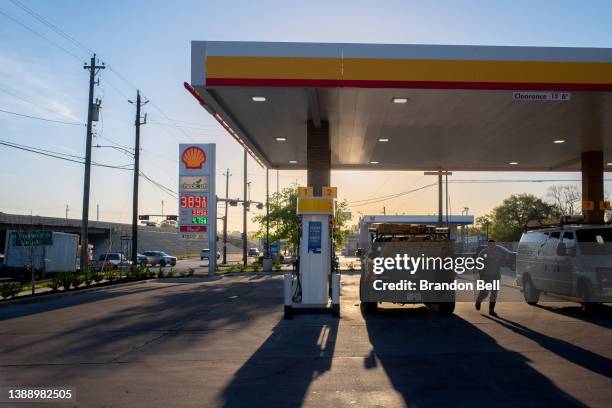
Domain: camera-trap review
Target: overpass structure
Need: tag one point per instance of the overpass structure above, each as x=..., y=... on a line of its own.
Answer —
x=413, y=107
x=106, y=236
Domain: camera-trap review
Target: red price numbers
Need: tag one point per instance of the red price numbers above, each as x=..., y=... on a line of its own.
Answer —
x=193, y=201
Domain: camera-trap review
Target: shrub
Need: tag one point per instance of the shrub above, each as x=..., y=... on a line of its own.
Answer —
x=65, y=279
x=170, y=273
x=190, y=272
x=9, y=289
x=87, y=277
x=56, y=282
x=277, y=266
x=160, y=274
x=182, y=274
x=97, y=276
x=256, y=267
x=110, y=275
x=76, y=280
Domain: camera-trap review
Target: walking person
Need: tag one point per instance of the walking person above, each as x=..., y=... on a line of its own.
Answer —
x=490, y=273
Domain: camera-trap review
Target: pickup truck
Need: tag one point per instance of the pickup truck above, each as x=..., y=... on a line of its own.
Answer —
x=113, y=260
x=388, y=276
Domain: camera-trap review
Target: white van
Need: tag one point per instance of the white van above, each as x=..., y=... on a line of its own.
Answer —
x=572, y=261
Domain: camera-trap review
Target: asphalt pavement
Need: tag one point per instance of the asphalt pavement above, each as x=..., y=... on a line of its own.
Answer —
x=222, y=341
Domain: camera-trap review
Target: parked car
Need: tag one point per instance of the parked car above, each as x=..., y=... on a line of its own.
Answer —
x=159, y=258
x=205, y=254
x=253, y=252
x=572, y=261
x=141, y=259
x=114, y=260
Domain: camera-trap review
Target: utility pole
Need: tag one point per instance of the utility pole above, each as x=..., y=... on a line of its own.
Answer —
x=440, y=173
x=384, y=210
x=162, y=208
x=97, y=212
x=137, y=123
x=67, y=211
x=227, y=176
x=92, y=67
x=446, y=190
x=244, y=213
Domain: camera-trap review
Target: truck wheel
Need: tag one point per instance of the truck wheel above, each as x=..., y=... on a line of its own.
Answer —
x=368, y=308
x=162, y=263
x=446, y=308
x=336, y=310
x=530, y=293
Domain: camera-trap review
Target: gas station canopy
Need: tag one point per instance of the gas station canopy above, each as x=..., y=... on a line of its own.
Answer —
x=411, y=107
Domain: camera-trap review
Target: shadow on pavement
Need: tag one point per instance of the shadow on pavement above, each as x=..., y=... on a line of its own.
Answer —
x=575, y=354
x=280, y=372
x=601, y=316
x=440, y=361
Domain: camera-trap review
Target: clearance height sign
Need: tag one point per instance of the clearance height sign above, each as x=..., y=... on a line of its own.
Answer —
x=197, y=201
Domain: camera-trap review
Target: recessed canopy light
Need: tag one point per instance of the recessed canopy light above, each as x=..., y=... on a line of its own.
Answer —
x=292, y=161
x=383, y=139
x=559, y=141
x=280, y=139
x=258, y=98
x=609, y=164
x=513, y=163
x=373, y=162
x=399, y=100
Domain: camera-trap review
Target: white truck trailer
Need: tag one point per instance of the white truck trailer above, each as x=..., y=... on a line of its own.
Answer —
x=59, y=256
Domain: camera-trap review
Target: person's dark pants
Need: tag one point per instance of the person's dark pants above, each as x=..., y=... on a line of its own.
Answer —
x=492, y=299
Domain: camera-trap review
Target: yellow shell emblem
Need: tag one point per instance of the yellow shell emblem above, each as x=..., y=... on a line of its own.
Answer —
x=193, y=157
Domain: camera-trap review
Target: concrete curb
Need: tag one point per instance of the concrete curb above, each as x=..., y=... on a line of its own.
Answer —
x=71, y=292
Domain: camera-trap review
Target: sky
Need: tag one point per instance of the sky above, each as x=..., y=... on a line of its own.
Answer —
x=146, y=45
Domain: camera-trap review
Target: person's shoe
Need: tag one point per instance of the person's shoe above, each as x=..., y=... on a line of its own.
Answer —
x=477, y=305
x=492, y=313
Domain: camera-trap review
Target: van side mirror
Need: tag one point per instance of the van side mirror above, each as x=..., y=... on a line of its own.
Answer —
x=561, y=249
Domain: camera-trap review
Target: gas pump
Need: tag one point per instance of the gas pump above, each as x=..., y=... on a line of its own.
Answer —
x=308, y=289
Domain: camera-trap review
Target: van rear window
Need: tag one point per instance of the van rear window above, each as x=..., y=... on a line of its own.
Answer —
x=595, y=241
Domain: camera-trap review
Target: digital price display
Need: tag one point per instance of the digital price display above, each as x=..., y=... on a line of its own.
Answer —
x=199, y=220
x=194, y=208
x=193, y=201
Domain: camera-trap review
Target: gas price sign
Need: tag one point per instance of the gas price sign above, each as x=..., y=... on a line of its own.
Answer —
x=197, y=201
x=193, y=207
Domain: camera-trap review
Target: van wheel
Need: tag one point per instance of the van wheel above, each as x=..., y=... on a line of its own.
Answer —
x=162, y=263
x=446, y=308
x=531, y=294
x=588, y=307
x=368, y=308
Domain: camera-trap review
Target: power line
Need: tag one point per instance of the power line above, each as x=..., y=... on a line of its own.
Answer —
x=39, y=118
x=21, y=98
x=41, y=36
x=52, y=26
x=394, y=196
x=57, y=155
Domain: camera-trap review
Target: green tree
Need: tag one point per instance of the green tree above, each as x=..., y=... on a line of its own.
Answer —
x=285, y=223
x=510, y=218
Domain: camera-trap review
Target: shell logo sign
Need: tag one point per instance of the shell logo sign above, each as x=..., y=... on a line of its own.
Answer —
x=193, y=158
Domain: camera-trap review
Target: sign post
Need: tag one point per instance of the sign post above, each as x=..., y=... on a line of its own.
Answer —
x=197, y=200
